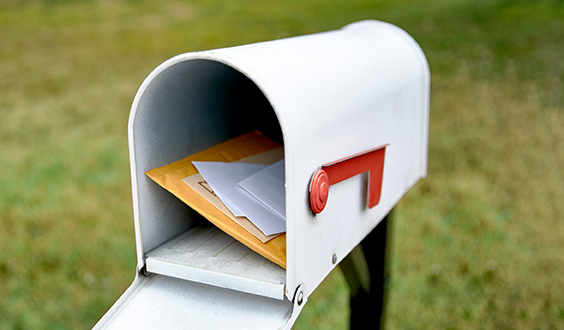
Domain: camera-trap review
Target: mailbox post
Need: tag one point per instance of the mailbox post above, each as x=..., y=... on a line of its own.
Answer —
x=366, y=271
x=351, y=110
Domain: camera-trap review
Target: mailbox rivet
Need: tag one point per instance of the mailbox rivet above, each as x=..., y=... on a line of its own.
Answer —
x=334, y=259
x=300, y=298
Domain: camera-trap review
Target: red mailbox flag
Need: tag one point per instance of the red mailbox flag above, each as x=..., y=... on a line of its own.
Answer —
x=371, y=160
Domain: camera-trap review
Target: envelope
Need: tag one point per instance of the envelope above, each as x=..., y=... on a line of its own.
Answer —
x=198, y=183
x=267, y=186
x=170, y=177
x=224, y=179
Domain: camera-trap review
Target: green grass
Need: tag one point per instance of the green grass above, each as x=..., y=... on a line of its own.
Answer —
x=477, y=244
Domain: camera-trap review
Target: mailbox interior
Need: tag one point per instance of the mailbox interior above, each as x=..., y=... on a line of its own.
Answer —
x=182, y=108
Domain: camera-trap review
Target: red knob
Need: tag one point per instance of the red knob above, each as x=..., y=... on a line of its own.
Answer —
x=319, y=191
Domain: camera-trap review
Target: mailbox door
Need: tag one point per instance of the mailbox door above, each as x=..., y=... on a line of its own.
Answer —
x=162, y=302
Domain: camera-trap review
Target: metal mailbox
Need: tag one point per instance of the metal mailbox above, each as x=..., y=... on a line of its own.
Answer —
x=351, y=108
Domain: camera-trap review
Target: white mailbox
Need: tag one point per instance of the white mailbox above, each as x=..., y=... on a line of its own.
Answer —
x=342, y=103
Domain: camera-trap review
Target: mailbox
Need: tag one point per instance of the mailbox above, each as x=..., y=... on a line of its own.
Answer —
x=351, y=109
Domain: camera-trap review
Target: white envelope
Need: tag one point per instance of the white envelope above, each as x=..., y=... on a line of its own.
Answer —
x=267, y=185
x=224, y=178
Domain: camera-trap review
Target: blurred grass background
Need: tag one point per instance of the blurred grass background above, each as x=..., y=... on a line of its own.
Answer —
x=478, y=244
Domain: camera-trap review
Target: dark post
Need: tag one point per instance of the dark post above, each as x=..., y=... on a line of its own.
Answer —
x=366, y=271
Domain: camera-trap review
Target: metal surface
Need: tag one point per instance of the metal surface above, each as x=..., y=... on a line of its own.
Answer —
x=325, y=96
x=207, y=255
x=163, y=302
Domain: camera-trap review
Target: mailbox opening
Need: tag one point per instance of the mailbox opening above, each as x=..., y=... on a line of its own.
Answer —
x=187, y=107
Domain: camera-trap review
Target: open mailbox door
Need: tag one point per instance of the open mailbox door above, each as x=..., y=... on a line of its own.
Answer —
x=350, y=108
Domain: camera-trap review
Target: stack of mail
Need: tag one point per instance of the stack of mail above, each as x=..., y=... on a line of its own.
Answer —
x=238, y=185
x=254, y=191
x=250, y=191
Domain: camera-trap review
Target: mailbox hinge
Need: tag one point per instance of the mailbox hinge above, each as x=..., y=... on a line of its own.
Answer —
x=299, y=300
x=300, y=297
x=143, y=271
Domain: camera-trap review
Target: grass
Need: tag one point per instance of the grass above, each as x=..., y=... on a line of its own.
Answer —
x=477, y=244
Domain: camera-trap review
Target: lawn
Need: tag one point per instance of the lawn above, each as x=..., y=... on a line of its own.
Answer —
x=478, y=244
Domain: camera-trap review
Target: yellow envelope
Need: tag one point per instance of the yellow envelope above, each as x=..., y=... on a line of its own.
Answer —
x=170, y=177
